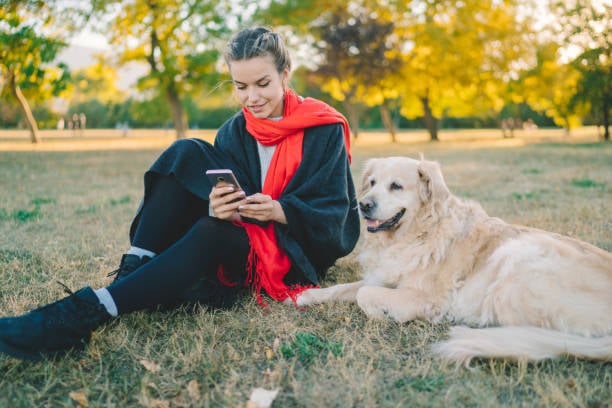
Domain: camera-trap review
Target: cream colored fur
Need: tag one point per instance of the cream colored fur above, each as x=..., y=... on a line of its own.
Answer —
x=519, y=292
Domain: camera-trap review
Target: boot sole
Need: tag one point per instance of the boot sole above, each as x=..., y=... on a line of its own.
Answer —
x=28, y=355
x=19, y=353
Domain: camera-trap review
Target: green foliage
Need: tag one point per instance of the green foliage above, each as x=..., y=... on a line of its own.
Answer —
x=97, y=82
x=149, y=113
x=20, y=215
x=90, y=209
x=25, y=56
x=26, y=214
x=587, y=183
x=532, y=171
x=308, y=347
x=427, y=384
x=526, y=196
x=42, y=200
x=587, y=26
x=121, y=200
x=177, y=39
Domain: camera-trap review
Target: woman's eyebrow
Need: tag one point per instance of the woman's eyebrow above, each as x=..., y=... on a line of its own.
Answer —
x=263, y=78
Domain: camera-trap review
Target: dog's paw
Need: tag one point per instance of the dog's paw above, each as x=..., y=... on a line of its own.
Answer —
x=308, y=297
x=384, y=303
x=370, y=303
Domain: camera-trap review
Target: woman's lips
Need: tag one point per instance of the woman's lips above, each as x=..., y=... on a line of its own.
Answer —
x=257, y=108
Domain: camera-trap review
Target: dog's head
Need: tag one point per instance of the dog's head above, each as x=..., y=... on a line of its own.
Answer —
x=394, y=189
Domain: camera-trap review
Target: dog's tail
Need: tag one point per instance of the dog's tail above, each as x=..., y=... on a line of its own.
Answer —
x=521, y=343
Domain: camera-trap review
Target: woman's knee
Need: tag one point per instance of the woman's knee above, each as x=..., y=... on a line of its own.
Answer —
x=219, y=235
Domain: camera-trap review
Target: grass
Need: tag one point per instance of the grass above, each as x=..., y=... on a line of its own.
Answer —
x=64, y=216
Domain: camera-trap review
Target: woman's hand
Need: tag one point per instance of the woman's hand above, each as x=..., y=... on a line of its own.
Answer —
x=225, y=200
x=262, y=208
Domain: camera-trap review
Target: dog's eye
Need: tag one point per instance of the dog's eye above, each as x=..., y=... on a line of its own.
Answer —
x=395, y=186
x=372, y=183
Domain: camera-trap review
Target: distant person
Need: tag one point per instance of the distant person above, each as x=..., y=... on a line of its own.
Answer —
x=192, y=241
x=60, y=124
x=75, y=123
x=82, y=123
x=530, y=125
x=125, y=129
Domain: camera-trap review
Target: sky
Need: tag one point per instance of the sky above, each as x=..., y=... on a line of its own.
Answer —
x=89, y=39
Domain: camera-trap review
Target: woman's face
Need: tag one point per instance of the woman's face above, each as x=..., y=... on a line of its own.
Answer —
x=258, y=85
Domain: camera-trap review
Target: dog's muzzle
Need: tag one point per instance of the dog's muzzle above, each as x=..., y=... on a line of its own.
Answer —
x=367, y=207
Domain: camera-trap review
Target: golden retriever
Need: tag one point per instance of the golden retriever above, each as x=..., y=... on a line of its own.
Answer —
x=521, y=293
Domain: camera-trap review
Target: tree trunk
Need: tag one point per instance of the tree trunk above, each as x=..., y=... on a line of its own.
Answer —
x=25, y=108
x=606, y=118
x=431, y=123
x=353, y=118
x=178, y=114
x=566, y=126
x=169, y=86
x=387, y=121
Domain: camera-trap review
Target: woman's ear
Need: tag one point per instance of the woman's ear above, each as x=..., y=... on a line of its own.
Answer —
x=285, y=79
x=432, y=187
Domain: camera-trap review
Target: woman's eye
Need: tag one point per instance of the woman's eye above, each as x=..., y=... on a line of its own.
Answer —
x=395, y=186
x=264, y=84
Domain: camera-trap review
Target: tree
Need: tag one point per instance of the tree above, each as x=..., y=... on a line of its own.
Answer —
x=26, y=56
x=458, y=57
x=354, y=43
x=358, y=60
x=549, y=86
x=594, y=89
x=178, y=40
x=587, y=26
x=97, y=81
x=94, y=92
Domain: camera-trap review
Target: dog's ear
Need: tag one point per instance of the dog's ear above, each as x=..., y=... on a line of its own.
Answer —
x=432, y=187
x=364, y=183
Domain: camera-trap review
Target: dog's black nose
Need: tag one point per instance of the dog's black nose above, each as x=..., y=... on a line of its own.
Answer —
x=366, y=205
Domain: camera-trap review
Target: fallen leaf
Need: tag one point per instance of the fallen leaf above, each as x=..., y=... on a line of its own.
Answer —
x=79, y=397
x=193, y=389
x=150, y=366
x=269, y=353
x=157, y=403
x=261, y=398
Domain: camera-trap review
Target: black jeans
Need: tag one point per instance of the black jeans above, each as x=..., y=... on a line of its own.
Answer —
x=190, y=245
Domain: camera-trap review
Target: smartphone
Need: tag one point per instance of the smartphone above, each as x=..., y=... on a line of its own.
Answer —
x=222, y=176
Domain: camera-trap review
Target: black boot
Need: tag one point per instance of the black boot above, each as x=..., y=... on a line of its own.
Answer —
x=53, y=329
x=129, y=263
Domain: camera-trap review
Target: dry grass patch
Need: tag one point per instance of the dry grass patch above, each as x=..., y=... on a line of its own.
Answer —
x=80, y=204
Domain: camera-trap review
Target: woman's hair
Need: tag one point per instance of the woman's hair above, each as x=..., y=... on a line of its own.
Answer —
x=256, y=42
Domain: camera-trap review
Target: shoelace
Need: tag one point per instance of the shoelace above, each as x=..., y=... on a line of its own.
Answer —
x=60, y=304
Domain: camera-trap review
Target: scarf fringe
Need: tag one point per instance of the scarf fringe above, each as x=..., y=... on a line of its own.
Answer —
x=254, y=280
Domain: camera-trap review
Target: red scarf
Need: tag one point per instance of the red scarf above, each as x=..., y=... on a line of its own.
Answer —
x=267, y=262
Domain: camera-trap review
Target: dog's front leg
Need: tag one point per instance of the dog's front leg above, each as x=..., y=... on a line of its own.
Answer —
x=401, y=304
x=342, y=292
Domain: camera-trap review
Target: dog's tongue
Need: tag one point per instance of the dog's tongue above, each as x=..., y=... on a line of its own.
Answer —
x=373, y=223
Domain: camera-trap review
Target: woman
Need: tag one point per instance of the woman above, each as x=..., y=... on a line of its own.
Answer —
x=193, y=242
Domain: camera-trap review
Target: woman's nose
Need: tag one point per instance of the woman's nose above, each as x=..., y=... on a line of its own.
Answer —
x=252, y=94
